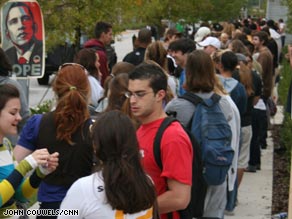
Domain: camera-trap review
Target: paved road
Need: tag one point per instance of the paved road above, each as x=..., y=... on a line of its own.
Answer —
x=37, y=93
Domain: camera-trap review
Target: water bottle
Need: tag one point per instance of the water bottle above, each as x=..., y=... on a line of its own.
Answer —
x=281, y=215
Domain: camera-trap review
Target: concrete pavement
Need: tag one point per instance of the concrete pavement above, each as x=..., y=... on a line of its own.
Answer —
x=255, y=192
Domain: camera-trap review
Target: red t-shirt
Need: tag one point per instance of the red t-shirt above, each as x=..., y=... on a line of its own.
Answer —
x=176, y=155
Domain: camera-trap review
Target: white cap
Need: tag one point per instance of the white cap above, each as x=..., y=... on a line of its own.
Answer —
x=211, y=41
x=201, y=33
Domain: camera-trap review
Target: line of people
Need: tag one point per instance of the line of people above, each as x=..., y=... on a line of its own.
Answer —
x=103, y=126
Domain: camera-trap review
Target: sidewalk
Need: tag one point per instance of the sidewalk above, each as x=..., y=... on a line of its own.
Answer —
x=255, y=192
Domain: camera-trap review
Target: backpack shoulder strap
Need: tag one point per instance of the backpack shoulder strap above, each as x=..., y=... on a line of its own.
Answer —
x=98, y=48
x=193, y=98
x=215, y=97
x=157, y=140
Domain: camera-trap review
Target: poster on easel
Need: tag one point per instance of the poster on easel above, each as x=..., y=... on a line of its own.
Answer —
x=22, y=37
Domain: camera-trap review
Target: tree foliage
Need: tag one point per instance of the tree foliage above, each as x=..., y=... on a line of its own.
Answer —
x=289, y=15
x=223, y=10
x=65, y=20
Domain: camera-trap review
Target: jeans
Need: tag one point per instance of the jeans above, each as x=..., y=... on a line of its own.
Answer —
x=259, y=135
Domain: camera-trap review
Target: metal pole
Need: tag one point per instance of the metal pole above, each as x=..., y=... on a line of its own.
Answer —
x=268, y=9
x=24, y=82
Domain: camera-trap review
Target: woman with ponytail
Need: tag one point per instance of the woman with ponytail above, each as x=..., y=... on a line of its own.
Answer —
x=119, y=188
x=66, y=131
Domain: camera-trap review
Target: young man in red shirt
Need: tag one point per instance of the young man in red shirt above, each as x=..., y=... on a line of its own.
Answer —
x=147, y=90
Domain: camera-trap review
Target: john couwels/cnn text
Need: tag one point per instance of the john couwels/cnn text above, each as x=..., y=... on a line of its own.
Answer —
x=41, y=212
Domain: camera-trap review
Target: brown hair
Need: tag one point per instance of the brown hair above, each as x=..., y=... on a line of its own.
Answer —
x=237, y=46
x=200, y=72
x=127, y=187
x=219, y=88
x=244, y=72
x=7, y=92
x=262, y=35
x=72, y=88
x=246, y=78
x=228, y=28
x=117, y=86
x=118, y=68
x=170, y=32
x=117, y=99
x=156, y=52
x=87, y=58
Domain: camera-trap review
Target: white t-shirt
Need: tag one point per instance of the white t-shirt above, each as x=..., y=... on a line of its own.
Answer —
x=96, y=90
x=88, y=196
x=173, y=83
x=282, y=28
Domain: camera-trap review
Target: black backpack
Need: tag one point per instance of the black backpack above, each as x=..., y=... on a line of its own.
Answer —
x=199, y=187
x=110, y=54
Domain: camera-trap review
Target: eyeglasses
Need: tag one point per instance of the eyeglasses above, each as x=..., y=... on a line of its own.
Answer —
x=72, y=64
x=137, y=95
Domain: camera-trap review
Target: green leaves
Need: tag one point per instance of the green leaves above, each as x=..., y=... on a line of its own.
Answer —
x=66, y=19
x=43, y=107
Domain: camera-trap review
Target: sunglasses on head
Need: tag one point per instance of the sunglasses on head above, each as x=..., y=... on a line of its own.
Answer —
x=73, y=64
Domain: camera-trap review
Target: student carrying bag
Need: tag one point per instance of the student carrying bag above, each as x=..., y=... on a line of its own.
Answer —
x=213, y=133
x=199, y=187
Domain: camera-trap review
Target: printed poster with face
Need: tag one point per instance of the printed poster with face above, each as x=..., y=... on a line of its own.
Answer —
x=23, y=41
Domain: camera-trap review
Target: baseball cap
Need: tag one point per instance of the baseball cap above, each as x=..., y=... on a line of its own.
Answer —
x=211, y=41
x=201, y=33
x=241, y=57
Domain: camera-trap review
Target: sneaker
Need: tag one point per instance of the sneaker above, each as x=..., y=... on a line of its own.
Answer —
x=251, y=169
x=229, y=213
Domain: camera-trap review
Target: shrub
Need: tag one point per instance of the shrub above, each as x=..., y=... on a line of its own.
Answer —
x=283, y=89
x=43, y=107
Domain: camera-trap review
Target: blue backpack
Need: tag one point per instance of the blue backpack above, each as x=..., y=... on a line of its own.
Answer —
x=213, y=133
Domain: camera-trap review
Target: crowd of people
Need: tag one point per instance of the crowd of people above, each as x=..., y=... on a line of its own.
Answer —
x=94, y=151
